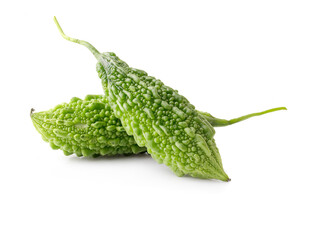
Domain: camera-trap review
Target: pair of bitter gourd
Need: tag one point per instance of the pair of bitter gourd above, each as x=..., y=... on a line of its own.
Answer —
x=137, y=113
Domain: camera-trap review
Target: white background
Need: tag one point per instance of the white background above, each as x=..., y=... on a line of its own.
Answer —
x=227, y=57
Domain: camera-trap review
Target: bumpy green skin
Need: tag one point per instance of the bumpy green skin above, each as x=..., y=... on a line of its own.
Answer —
x=161, y=119
x=85, y=127
x=215, y=122
x=51, y=124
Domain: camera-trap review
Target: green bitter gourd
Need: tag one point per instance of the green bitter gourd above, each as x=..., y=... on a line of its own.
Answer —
x=159, y=118
x=85, y=127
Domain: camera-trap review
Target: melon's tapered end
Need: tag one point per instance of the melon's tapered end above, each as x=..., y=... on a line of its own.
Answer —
x=223, y=177
x=226, y=179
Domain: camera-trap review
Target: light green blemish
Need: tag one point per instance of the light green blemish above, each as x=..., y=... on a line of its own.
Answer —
x=81, y=125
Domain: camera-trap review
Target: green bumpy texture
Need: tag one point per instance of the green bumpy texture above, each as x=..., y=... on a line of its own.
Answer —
x=96, y=137
x=161, y=119
x=86, y=128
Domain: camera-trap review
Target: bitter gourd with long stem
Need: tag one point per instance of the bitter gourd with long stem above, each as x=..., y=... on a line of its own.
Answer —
x=159, y=118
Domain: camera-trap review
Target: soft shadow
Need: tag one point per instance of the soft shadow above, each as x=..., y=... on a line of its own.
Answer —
x=120, y=157
x=142, y=157
x=216, y=181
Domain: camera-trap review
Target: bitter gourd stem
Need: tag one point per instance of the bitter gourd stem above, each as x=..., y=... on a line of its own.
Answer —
x=81, y=42
x=217, y=122
x=239, y=119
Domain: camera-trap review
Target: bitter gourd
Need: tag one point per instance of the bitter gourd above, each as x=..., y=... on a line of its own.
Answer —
x=85, y=127
x=159, y=118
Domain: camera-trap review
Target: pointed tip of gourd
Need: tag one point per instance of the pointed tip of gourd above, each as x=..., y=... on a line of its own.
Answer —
x=222, y=176
x=226, y=179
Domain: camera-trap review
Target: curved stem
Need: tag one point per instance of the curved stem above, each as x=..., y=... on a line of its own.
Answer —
x=239, y=119
x=81, y=42
x=217, y=122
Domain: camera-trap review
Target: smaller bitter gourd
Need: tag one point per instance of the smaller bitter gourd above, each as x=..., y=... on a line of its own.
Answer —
x=85, y=127
x=50, y=124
